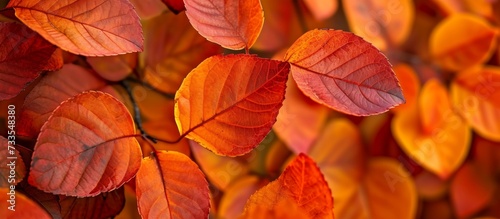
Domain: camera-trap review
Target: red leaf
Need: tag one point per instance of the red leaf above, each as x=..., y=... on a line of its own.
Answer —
x=23, y=207
x=82, y=149
x=114, y=68
x=228, y=104
x=231, y=24
x=11, y=161
x=175, y=6
x=170, y=185
x=91, y=28
x=344, y=72
x=23, y=56
x=51, y=91
x=105, y=205
x=303, y=183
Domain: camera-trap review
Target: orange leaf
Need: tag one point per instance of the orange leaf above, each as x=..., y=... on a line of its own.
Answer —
x=381, y=22
x=83, y=148
x=23, y=56
x=475, y=45
x=221, y=171
x=476, y=96
x=23, y=206
x=284, y=209
x=12, y=169
x=114, y=68
x=441, y=142
x=471, y=190
x=170, y=185
x=53, y=89
x=299, y=120
x=231, y=24
x=236, y=195
x=96, y=28
x=344, y=72
x=374, y=188
x=228, y=104
x=303, y=184
x=322, y=9
x=175, y=6
x=410, y=85
x=172, y=49
x=429, y=186
x=105, y=205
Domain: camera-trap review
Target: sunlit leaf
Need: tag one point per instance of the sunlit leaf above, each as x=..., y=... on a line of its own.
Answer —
x=410, y=84
x=471, y=190
x=170, y=185
x=172, y=49
x=285, y=208
x=23, y=207
x=53, y=89
x=299, y=120
x=432, y=134
x=23, y=56
x=231, y=24
x=83, y=148
x=475, y=45
x=476, y=96
x=95, y=28
x=322, y=9
x=10, y=163
x=114, y=68
x=384, y=23
x=228, y=104
x=303, y=184
x=342, y=71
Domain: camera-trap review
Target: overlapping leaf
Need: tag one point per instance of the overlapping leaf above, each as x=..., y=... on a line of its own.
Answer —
x=105, y=205
x=382, y=22
x=432, y=134
x=23, y=207
x=228, y=104
x=231, y=24
x=172, y=49
x=374, y=188
x=51, y=91
x=410, y=85
x=235, y=197
x=83, y=148
x=114, y=68
x=299, y=120
x=476, y=96
x=474, y=46
x=10, y=162
x=303, y=184
x=170, y=185
x=147, y=9
x=23, y=56
x=95, y=28
x=342, y=71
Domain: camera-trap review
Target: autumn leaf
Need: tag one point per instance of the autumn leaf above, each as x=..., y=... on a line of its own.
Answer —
x=105, y=205
x=175, y=6
x=23, y=56
x=432, y=134
x=147, y=9
x=228, y=104
x=475, y=46
x=476, y=96
x=430, y=186
x=410, y=85
x=344, y=72
x=170, y=185
x=322, y=9
x=236, y=195
x=114, y=68
x=362, y=187
x=299, y=120
x=384, y=23
x=83, y=148
x=12, y=169
x=23, y=206
x=303, y=184
x=96, y=28
x=284, y=209
x=172, y=49
x=232, y=24
x=471, y=190
x=53, y=89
